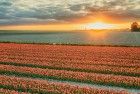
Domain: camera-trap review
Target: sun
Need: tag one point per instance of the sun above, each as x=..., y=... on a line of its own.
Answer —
x=99, y=25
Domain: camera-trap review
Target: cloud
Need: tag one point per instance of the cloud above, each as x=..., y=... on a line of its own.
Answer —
x=5, y=9
x=51, y=11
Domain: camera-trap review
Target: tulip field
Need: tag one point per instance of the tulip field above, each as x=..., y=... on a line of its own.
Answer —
x=51, y=69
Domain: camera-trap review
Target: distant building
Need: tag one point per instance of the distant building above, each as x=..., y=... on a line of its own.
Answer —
x=135, y=27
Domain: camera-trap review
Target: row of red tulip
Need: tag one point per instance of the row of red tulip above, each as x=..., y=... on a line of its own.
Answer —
x=43, y=86
x=123, y=81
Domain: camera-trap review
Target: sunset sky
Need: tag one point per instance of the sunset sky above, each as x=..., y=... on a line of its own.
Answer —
x=68, y=14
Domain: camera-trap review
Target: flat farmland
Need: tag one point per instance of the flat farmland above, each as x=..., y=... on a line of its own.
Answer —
x=65, y=69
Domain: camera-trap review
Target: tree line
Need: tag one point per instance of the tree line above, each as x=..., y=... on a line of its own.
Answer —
x=135, y=27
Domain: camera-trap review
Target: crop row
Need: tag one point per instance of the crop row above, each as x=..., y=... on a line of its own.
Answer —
x=125, y=57
x=128, y=71
x=112, y=80
x=69, y=59
x=80, y=55
x=7, y=91
x=82, y=51
x=70, y=48
x=83, y=55
x=43, y=86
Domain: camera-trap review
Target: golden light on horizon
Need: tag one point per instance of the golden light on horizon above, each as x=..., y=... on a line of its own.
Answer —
x=51, y=27
x=99, y=25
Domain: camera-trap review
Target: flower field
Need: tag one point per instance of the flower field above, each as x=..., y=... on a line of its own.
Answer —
x=6, y=91
x=75, y=76
x=41, y=86
x=27, y=68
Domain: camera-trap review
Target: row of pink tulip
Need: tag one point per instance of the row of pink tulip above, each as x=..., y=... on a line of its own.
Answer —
x=85, y=55
x=73, y=54
x=7, y=91
x=71, y=59
x=44, y=86
x=70, y=48
x=92, y=68
x=89, y=55
x=77, y=76
x=82, y=51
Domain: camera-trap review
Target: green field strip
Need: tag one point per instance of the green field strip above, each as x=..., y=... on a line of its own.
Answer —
x=72, y=69
x=66, y=44
x=29, y=75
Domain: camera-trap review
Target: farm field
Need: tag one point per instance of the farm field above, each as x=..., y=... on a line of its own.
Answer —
x=65, y=69
x=117, y=38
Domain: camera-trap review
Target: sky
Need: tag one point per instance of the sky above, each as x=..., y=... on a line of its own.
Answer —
x=67, y=14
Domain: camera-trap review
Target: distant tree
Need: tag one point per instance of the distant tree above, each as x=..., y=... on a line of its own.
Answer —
x=135, y=27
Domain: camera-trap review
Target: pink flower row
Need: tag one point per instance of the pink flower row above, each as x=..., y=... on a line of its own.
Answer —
x=80, y=76
x=80, y=66
x=91, y=60
x=6, y=91
x=45, y=86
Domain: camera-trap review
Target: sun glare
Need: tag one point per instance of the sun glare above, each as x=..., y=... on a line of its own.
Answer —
x=99, y=25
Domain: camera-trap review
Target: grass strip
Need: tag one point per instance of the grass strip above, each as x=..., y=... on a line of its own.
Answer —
x=67, y=44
